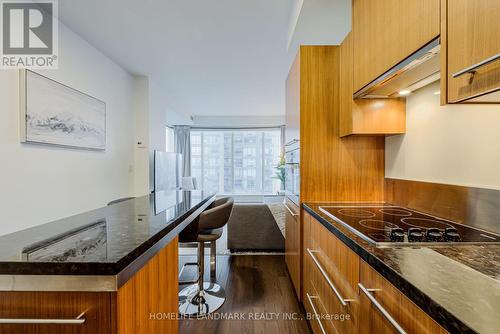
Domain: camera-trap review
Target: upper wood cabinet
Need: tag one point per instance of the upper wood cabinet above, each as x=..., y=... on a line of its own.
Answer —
x=387, y=31
x=471, y=31
x=365, y=116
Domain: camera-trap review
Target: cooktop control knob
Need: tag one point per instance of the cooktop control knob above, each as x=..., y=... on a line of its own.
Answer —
x=415, y=234
x=451, y=234
x=434, y=235
x=397, y=235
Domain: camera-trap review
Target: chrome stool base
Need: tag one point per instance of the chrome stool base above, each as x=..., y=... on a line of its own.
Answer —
x=196, y=303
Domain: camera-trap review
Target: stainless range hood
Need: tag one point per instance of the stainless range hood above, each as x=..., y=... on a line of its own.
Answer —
x=418, y=70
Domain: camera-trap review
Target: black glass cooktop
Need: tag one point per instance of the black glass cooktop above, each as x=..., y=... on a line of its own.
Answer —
x=386, y=224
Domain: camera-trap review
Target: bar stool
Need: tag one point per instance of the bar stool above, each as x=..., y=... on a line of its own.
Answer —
x=202, y=297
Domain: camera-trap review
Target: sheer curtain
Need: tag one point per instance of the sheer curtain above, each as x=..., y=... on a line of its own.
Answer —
x=182, y=145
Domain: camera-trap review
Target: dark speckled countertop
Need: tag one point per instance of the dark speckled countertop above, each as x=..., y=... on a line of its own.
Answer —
x=458, y=286
x=100, y=242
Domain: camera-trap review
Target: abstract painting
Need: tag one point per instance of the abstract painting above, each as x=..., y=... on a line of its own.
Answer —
x=53, y=113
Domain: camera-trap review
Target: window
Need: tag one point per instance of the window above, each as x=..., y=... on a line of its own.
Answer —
x=236, y=161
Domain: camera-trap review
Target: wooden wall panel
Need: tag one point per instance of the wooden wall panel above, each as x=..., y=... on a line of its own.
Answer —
x=153, y=289
x=333, y=168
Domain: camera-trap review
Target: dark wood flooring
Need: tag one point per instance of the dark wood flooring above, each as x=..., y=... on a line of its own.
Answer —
x=257, y=286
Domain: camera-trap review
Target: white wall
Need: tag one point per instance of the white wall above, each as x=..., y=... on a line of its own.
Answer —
x=141, y=135
x=238, y=121
x=150, y=114
x=157, y=124
x=41, y=183
x=453, y=144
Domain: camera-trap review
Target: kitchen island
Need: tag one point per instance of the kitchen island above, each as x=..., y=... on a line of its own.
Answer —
x=110, y=270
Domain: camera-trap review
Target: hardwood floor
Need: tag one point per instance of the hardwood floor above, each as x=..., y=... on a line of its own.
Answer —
x=256, y=286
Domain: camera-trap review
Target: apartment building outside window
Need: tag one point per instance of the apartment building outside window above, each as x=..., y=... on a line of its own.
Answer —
x=236, y=161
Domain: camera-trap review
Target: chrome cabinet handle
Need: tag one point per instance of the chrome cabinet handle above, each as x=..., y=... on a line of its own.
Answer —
x=476, y=66
x=77, y=321
x=381, y=309
x=290, y=210
x=310, y=298
x=342, y=300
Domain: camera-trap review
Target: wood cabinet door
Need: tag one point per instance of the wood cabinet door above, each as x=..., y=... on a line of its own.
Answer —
x=292, y=243
x=365, y=116
x=473, y=35
x=387, y=31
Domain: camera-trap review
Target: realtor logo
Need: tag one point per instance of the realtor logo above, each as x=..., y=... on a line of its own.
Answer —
x=29, y=34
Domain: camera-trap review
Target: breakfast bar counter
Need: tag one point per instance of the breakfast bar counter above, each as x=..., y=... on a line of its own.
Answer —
x=103, y=271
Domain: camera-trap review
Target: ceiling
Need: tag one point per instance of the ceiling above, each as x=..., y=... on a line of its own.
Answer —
x=222, y=57
x=211, y=58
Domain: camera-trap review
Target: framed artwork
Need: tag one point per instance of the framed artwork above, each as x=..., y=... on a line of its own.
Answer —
x=55, y=114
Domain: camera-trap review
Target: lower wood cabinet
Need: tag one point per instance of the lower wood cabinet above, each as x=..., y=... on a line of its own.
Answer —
x=331, y=275
x=343, y=294
x=151, y=292
x=94, y=307
x=293, y=243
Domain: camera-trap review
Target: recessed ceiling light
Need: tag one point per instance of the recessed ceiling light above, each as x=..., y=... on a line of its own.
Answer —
x=404, y=92
x=438, y=92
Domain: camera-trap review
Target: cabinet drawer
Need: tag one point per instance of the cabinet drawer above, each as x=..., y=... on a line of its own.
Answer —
x=314, y=304
x=293, y=243
x=384, y=308
x=96, y=309
x=342, y=312
x=333, y=270
x=340, y=263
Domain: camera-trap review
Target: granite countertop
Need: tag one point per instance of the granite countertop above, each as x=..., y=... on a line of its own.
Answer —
x=458, y=286
x=103, y=241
